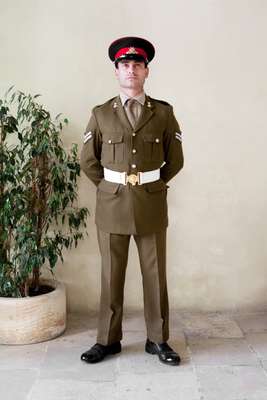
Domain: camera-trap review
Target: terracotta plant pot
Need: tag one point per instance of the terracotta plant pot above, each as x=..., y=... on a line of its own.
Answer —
x=33, y=319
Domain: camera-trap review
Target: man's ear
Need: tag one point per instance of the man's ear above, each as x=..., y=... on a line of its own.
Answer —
x=147, y=72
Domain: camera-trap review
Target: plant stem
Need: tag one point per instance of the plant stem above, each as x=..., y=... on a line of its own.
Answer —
x=3, y=250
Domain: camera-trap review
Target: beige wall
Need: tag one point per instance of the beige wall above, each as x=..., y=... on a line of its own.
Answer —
x=211, y=64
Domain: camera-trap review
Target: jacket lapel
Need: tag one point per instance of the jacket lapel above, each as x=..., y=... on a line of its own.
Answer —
x=146, y=114
x=120, y=113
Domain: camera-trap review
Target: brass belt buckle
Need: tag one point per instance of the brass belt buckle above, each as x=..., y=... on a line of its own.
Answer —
x=132, y=179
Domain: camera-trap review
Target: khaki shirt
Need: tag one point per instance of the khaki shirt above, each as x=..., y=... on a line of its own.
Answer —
x=111, y=142
x=140, y=101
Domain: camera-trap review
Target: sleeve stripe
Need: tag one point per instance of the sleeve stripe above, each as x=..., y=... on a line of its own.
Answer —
x=87, y=137
x=178, y=136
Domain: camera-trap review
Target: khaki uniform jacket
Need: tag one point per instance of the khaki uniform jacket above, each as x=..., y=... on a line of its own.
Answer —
x=109, y=142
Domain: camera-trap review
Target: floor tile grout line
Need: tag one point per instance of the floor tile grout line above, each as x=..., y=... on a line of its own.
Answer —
x=258, y=357
x=199, y=386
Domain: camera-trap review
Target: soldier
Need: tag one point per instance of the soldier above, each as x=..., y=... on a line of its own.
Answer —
x=132, y=148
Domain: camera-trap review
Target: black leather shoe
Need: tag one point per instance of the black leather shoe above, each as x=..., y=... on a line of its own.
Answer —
x=98, y=352
x=166, y=354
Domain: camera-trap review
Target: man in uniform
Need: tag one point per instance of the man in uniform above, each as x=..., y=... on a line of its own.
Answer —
x=132, y=148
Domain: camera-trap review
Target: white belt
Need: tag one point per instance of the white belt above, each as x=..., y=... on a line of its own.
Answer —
x=139, y=178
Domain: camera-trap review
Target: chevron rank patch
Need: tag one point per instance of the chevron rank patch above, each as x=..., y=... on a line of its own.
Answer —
x=178, y=136
x=87, y=136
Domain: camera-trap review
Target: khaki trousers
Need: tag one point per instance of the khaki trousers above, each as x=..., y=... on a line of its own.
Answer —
x=114, y=255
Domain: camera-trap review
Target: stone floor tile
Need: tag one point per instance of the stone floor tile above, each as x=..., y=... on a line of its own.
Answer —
x=132, y=337
x=16, y=383
x=60, y=356
x=217, y=358
x=133, y=321
x=221, y=351
x=206, y=325
x=80, y=329
x=264, y=365
x=22, y=356
x=74, y=338
x=56, y=389
x=179, y=343
x=232, y=382
x=134, y=359
x=177, y=384
x=254, y=322
x=63, y=362
x=258, y=342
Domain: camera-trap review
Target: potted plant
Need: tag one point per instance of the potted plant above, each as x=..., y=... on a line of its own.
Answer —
x=39, y=218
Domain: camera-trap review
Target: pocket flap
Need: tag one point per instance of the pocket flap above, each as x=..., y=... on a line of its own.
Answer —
x=156, y=186
x=109, y=187
x=113, y=137
x=148, y=137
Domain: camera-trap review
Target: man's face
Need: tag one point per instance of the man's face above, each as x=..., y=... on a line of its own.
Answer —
x=131, y=74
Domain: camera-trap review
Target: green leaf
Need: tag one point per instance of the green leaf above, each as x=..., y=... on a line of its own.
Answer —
x=9, y=90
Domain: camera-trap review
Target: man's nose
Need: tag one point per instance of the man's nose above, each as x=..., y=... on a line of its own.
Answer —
x=131, y=68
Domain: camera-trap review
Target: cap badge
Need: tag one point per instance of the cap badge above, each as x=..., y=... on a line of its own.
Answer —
x=132, y=50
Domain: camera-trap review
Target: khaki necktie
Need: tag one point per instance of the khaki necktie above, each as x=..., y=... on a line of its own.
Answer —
x=132, y=111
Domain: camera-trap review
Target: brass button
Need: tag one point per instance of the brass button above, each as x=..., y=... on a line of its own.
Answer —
x=133, y=165
x=157, y=140
x=109, y=141
x=134, y=134
x=134, y=151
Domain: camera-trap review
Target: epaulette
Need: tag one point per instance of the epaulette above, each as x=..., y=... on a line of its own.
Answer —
x=106, y=102
x=109, y=100
x=160, y=101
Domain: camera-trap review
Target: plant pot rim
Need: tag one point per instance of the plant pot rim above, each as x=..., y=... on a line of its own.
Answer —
x=28, y=320
x=57, y=285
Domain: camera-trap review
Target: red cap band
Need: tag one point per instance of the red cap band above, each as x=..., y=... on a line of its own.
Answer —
x=131, y=50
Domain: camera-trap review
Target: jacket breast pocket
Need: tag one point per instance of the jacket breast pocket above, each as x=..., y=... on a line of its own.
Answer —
x=113, y=148
x=153, y=147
